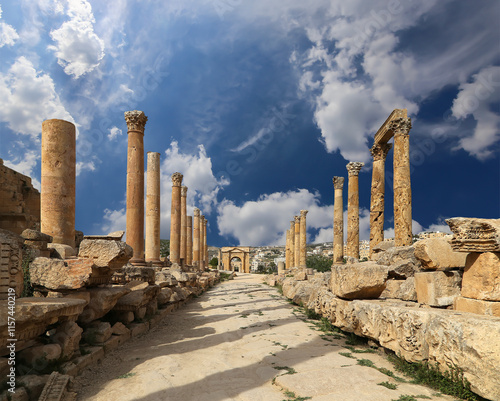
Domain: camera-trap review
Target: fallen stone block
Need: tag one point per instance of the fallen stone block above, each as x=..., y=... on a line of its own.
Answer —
x=104, y=253
x=102, y=300
x=11, y=271
x=400, y=289
x=34, y=235
x=358, y=281
x=37, y=358
x=475, y=235
x=97, y=333
x=481, y=278
x=34, y=384
x=164, y=296
x=57, y=274
x=438, y=288
x=489, y=308
x=68, y=336
x=119, y=329
x=56, y=387
x=62, y=251
x=437, y=254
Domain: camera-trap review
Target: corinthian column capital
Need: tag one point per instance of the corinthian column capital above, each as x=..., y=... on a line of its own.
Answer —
x=401, y=126
x=353, y=168
x=338, y=182
x=136, y=120
x=379, y=151
x=176, y=179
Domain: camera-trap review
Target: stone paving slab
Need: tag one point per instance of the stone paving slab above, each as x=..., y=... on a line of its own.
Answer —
x=237, y=342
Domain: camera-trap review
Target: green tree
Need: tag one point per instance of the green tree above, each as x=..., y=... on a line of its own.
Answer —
x=319, y=263
x=214, y=262
x=164, y=248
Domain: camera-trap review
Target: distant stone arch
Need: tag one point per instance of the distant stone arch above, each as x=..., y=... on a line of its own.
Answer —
x=229, y=253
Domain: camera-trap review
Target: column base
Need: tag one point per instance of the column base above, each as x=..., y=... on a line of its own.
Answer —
x=138, y=262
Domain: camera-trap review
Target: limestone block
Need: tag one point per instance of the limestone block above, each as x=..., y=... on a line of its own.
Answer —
x=37, y=356
x=136, y=299
x=400, y=289
x=102, y=300
x=34, y=235
x=180, y=276
x=437, y=254
x=164, y=279
x=125, y=317
x=105, y=253
x=97, y=333
x=34, y=384
x=397, y=254
x=383, y=246
x=404, y=269
x=137, y=285
x=437, y=288
x=358, y=281
x=490, y=308
x=164, y=296
x=62, y=251
x=68, y=336
x=175, y=297
x=11, y=272
x=57, y=274
x=140, y=313
x=56, y=388
x=475, y=235
x=482, y=276
x=114, y=236
x=301, y=275
x=130, y=272
x=34, y=315
x=119, y=329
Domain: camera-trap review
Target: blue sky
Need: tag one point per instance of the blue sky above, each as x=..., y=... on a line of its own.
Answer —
x=259, y=104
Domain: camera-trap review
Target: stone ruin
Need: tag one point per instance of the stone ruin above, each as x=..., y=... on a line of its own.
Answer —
x=90, y=292
x=435, y=300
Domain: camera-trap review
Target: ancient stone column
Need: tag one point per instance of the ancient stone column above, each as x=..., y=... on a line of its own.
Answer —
x=402, y=187
x=338, y=221
x=136, y=120
x=196, y=238
x=303, y=239
x=207, y=260
x=292, y=244
x=153, y=209
x=353, y=169
x=183, y=225
x=377, y=204
x=58, y=181
x=175, y=219
x=287, y=249
x=296, y=230
x=189, y=241
x=203, y=234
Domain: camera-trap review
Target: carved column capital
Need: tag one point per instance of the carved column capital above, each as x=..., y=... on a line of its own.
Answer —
x=303, y=213
x=354, y=167
x=176, y=179
x=379, y=151
x=338, y=182
x=196, y=212
x=401, y=126
x=184, y=191
x=136, y=120
x=296, y=219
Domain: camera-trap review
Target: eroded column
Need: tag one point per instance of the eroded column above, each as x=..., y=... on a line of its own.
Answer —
x=189, y=241
x=402, y=185
x=136, y=121
x=202, y=242
x=303, y=239
x=207, y=261
x=296, y=230
x=196, y=238
x=57, y=201
x=175, y=219
x=338, y=221
x=377, y=204
x=292, y=244
x=183, y=248
x=153, y=209
x=287, y=249
x=353, y=169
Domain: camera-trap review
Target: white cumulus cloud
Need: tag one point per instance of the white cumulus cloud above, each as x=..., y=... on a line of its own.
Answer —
x=78, y=48
x=8, y=34
x=114, y=132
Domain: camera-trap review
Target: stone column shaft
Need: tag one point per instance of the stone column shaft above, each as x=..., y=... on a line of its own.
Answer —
x=402, y=186
x=338, y=220
x=196, y=238
x=292, y=244
x=377, y=204
x=207, y=261
x=353, y=169
x=58, y=181
x=303, y=239
x=175, y=219
x=287, y=249
x=296, y=254
x=136, y=121
x=203, y=227
x=183, y=225
x=153, y=209
x=189, y=241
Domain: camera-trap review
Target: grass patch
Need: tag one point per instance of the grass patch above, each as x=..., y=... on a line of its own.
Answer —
x=390, y=386
x=390, y=373
x=360, y=351
x=347, y=355
x=366, y=362
x=451, y=382
x=283, y=346
x=126, y=375
x=353, y=339
x=405, y=397
x=292, y=397
x=289, y=371
x=244, y=315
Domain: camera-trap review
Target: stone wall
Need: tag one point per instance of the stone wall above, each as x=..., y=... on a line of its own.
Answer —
x=19, y=201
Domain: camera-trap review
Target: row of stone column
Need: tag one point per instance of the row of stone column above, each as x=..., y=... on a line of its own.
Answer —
x=296, y=242
x=188, y=234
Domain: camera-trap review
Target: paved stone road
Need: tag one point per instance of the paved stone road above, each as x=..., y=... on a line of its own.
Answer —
x=229, y=344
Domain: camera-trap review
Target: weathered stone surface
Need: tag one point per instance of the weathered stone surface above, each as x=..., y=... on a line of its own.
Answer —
x=136, y=299
x=164, y=296
x=62, y=251
x=382, y=246
x=437, y=254
x=56, y=387
x=37, y=356
x=114, y=236
x=475, y=235
x=125, y=317
x=33, y=315
x=165, y=279
x=97, y=333
x=358, y=281
x=56, y=274
x=396, y=254
x=400, y=289
x=490, y=308
x=11, y=272
x=102, y=300
x=34, y=384
x=179, y=276
x=130, y=273
x=78, y=238
x=482, y=276
x=119, y=329
x=35, y=235
x=439, y=288
x=68, y=336
x=109, y=254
